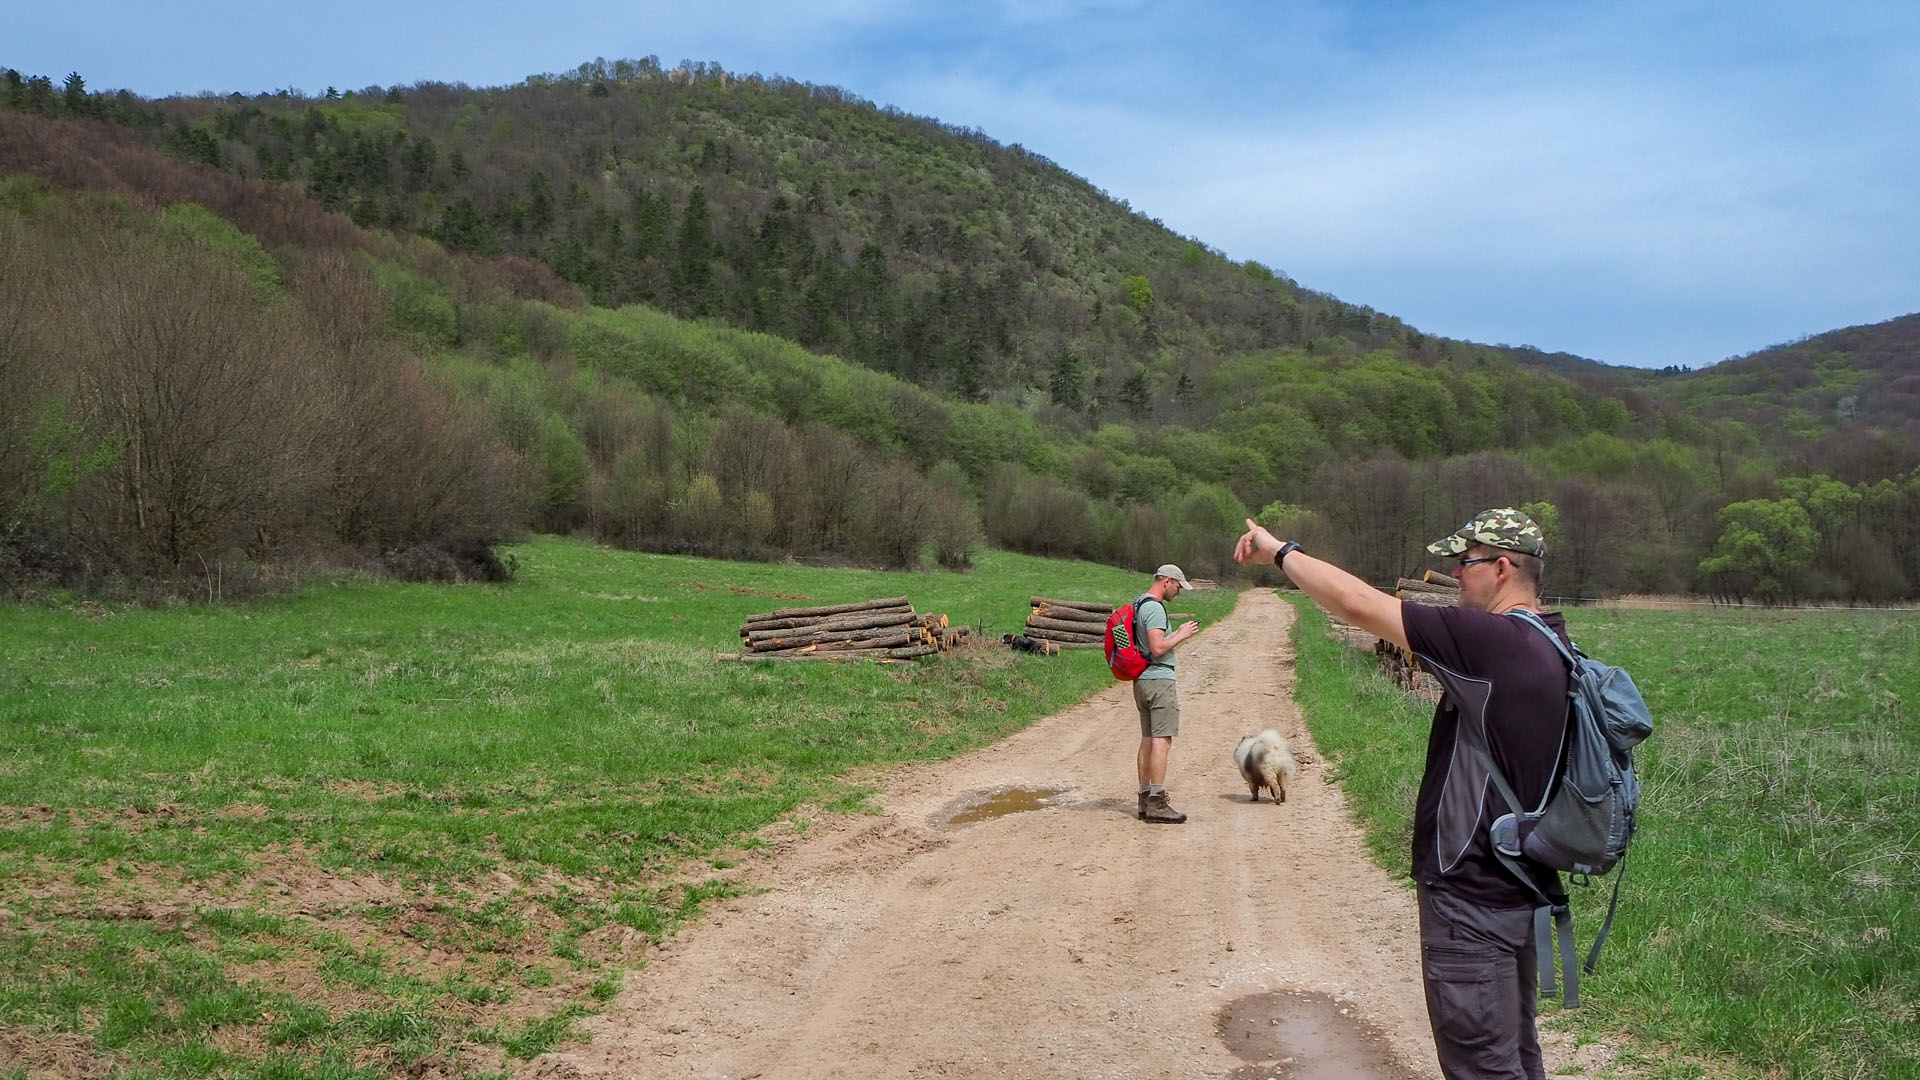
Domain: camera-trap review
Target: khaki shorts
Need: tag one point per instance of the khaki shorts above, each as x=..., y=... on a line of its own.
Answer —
x=1159, y=705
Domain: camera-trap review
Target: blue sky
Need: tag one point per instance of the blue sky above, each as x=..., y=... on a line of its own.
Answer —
x=1643, y=183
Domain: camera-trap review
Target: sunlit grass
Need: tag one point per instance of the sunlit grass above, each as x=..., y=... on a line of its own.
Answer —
x=376, y=825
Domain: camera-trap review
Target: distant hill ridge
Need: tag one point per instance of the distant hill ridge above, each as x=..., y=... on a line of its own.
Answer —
x=1089, y=379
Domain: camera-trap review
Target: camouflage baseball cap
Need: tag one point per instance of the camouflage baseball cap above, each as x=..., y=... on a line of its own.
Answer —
x=1503, y=528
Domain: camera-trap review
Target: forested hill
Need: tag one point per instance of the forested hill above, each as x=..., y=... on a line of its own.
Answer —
x=911, y=246
x=596, y=288
x=1856, y=389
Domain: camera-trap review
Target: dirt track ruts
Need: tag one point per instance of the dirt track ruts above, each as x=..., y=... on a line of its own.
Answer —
x=1070, y=941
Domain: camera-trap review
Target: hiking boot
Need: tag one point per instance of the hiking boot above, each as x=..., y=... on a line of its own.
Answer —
x=1143, y=806
x=1159, y=811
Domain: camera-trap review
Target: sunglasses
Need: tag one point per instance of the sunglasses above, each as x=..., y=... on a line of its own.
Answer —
x=1464, y=563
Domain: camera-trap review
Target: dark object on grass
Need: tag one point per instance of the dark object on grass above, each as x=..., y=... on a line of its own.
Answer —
x=1022, y=643
x=453, y=558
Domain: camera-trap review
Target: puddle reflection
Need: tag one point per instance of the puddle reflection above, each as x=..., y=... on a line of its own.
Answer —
x=1296, y=1035
x=993, y=804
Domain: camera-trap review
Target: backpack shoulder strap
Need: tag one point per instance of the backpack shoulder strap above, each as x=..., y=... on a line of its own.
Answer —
x=1534, y=620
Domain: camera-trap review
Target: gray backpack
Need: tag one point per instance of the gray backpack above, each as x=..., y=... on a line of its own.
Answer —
x=1586, y=820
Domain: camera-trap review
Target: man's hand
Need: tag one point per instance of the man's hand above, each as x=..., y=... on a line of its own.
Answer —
x=1187, y=630
x=1257, y=546
x=1339, y=592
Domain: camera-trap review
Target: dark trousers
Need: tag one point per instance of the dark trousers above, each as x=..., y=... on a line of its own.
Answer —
x=1482, y=988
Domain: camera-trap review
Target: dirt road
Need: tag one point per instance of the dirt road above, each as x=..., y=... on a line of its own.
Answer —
x=1066, y=940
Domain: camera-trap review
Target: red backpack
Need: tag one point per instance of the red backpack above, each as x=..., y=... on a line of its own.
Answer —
x=1126, y=653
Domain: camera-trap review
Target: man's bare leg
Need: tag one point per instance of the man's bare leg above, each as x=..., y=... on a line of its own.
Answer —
x=1152, y=760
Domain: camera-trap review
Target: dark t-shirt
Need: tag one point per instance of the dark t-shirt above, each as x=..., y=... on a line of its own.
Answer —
x=1526, y=723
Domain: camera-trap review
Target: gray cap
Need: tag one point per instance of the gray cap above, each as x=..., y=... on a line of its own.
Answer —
x=1172, y=571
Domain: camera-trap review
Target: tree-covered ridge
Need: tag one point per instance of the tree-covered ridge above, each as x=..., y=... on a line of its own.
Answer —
x=637, y=426
x=908, y=245
x=1848, y=399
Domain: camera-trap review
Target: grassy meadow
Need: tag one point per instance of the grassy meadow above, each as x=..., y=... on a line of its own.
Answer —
x=1768, y=926
x=374, y=828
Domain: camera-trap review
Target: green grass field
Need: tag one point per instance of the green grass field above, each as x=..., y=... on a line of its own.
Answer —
x=1769, y=925
x=375, y=828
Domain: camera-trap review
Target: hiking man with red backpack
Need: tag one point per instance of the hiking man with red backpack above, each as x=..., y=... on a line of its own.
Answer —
x=1504, y=708
x=1153, y=691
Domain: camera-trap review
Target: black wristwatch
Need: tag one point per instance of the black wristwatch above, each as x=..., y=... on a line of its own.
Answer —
x=1281, y=555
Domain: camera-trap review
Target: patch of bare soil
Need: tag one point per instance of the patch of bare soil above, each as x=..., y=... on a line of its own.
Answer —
x=1060, y=937
x=70, y=1057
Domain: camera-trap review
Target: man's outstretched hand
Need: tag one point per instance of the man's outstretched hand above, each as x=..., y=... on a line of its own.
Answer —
x=1257, y=546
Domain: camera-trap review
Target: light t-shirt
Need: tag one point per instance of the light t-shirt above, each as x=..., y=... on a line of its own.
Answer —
x=1154, y=614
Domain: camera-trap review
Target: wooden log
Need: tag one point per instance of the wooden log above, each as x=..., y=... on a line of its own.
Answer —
x=1049, y=611
x=1430, y=599
x=1074, y=645
x=791, y=638
x=837, y=622
x=1060, y=635
x=891, y=641
x=1094, y=617
x=1084, y=605
x=791, y=622
x=821, y=658
x=831, y=609
x=932, y=621
x=860, y=622
x=904, y=652
x=803, y=650
x=1435, y=577
x=1066, y=626
x=1410, y=585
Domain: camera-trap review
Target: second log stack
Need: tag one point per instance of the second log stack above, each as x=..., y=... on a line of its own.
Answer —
x=1433, y=588
x=1071, y=624
x=1075, y=624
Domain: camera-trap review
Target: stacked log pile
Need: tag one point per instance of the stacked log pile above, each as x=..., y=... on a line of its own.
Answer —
x=1075, y=624
x=1070, y=624
x=1433, y=588
x=884, y=629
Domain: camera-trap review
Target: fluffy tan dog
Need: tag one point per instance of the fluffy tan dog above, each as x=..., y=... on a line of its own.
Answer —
x=1265, y=761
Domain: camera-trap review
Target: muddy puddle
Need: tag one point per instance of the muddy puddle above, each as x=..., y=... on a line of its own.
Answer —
x=982, y=805
x=1296, y=1035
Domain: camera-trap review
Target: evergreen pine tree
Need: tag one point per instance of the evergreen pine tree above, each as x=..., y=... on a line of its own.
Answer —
x=693, y=258
x=1064, y=384
x=539, y=203
x=1135, y=395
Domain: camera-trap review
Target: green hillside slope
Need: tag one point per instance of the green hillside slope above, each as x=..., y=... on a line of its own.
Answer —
x=997, y=350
